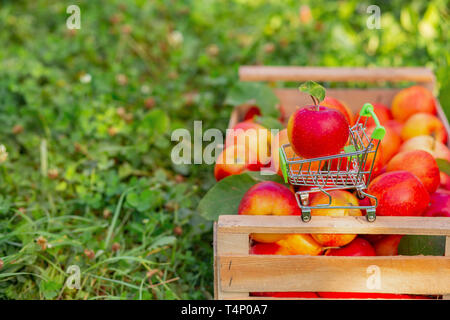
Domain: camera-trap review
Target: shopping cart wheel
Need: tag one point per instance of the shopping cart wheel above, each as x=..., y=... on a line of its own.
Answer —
x=371, y=215
x=306, y=215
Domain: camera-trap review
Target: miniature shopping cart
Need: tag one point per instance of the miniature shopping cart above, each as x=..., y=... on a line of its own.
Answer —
x=351, y=169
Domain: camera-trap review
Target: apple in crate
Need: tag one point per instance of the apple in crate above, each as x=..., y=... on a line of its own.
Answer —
x=268, y=198
x=439, y=204
x=252, y=135
x=420, y=124
x=399, y=193
x=338, y=198
x=412, y=100
x=388, y=245
x=427, y=143
x=421, y=164
x=390, y=144
x=236, y=159
x=358, y=247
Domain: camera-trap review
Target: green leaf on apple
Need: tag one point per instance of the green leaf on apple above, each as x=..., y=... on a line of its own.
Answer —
x=412, y=245
x=258, y=93
x=444, y=166
x=313, y=89
x=225, y=196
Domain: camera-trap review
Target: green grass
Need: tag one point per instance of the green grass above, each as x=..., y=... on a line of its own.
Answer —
x=88, y=180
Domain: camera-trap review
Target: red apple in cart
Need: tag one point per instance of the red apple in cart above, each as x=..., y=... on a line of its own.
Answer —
x=282, y=138
x=316, y=131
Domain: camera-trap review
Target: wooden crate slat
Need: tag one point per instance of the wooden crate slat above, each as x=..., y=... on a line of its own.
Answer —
x=398, y=274
x=320, y=224
x=339, y=74
x=225, y=244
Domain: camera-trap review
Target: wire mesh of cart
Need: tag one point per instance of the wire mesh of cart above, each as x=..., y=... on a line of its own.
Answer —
x=350, y=169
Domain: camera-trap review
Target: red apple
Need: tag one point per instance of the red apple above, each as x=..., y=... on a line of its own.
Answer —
x=373, y=238
x=338, y=198
x=268, y=198
x=388, y=245
x=421, y=164
x=399, y=193
x=317, y=131
x=236, y=159
x=394, y=125
x=427, y=143
x=265, y=248
x=412, y=100
x=299, y=244
x=420, y=124
x=282, y=138
x=251, y=135
x=445, y=181
x=290, y=244
x=358, y=247
x=439, y=204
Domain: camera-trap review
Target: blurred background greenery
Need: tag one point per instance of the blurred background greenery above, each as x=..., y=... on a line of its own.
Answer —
x=86, y=117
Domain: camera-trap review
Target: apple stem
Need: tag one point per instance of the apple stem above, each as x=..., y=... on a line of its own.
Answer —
x=433, y=136
x=316, y=102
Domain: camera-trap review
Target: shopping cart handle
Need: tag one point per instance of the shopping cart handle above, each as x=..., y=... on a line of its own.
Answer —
x=367, y=111
x=283, y=164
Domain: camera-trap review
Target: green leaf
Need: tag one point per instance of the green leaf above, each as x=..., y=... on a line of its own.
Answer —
x=269, y=122
x=225, y=196
x=164, y=241
x=258, y=93
x=412, y=245
x=313, y=89
x=258, y=177
x=133, y=199
x=443, y=165
x=145, y=200
x=157, y=120
x=50, y=289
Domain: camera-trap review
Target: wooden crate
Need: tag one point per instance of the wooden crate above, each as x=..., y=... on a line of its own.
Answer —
x=237, y=272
